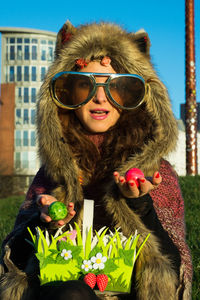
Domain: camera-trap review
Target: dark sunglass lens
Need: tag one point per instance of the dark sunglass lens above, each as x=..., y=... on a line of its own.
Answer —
x=72, y=89
x=127, y=91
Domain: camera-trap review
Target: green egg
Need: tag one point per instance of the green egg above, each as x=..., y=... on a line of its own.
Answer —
x=57, y=211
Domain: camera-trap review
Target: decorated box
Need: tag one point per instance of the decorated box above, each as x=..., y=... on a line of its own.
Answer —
x=104, y=260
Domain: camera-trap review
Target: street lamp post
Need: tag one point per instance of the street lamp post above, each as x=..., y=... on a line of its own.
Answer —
x=191, y=106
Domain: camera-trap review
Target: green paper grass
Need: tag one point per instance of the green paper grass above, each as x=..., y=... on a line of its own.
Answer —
x=62, y=259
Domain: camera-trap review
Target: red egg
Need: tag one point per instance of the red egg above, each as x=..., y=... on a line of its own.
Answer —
x=134, y=174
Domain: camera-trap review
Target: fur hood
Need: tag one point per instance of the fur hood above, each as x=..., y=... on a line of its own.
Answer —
x=132, y=53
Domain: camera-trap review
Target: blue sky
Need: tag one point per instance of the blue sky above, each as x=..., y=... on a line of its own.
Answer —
x=163, y=20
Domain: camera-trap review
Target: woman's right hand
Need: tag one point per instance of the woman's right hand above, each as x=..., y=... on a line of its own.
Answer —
x=44, y=201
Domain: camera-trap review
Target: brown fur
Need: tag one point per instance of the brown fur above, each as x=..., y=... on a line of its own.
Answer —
x=14, y=284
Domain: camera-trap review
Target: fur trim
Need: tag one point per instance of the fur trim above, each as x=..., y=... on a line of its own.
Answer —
x=14, y=283
x=184, y=291
x=157, y=266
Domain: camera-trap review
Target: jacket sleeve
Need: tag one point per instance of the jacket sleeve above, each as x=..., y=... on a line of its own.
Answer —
x=28, y=216
x=169, y=206
x=41, y=184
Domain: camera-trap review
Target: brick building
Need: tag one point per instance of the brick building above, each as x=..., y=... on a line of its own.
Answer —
x=7, y=108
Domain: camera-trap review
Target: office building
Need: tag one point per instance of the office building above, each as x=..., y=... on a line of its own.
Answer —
x=25, y=57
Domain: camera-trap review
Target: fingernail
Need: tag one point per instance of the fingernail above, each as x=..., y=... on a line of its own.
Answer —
x=131, y=183
x=115, y=173
x=157, y=175
x=142, y=180
x=70, y=205
x=61, y=223
x=121, y=180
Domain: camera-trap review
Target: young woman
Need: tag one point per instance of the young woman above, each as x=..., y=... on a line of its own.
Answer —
x=101, y=111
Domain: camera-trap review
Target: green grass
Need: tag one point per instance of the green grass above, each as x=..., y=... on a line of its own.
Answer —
x=191, y=192
x=8, y=211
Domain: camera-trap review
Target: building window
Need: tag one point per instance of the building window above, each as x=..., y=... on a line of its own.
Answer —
x=43, y=53
x=25, y=138
x=19, y=73
x=19, y=95
x=32, y=159
x=20, y=92
x=34, y=52
x=6, y=53
x=26, y=73
x=12, y=52
x=12, y=40
x=33, y=141
x=12, y=74
x=17, y=160
x=19, y=52
x=26, y=116
x=33, y=116
x=50, y=54
x=43, y=42
x=43, y=72
x=18, y=118
x=33, y=74
x=33, y=95
x=26, y=100
x=18, y=138
x=26, y=53
x=34, y=41
x=19, y=40
x=24, y=160
x=26, y=41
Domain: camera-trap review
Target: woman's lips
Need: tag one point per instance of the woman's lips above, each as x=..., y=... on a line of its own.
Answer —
x=99, y=114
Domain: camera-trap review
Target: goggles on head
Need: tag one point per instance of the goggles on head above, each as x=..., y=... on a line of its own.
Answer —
x=71, y=90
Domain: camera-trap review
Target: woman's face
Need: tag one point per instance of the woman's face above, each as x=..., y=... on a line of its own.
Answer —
x=98, y=115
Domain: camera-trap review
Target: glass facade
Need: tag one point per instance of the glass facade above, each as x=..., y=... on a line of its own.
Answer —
x=25, y=60
x=23, y=53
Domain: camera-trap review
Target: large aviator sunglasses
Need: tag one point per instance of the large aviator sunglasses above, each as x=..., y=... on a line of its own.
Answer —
x=71, y=90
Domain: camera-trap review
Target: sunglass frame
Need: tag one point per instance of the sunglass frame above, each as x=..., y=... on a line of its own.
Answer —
x=95, y=86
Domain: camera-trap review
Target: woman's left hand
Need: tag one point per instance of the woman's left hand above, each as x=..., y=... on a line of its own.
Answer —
x=130, y=190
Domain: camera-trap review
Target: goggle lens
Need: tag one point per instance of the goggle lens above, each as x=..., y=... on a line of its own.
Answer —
x=72, y=89
x=127, y=91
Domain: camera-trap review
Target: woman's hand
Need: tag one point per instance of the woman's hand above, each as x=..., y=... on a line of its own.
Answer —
x=130, y=190
x=44, y=201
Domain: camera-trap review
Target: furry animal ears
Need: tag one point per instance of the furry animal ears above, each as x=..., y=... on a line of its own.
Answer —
x=63, y=36
x=67, y=32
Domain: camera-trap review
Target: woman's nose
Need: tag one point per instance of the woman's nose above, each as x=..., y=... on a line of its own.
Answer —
x=100, y=95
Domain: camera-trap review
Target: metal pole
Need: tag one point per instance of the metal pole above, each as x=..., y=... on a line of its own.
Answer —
x=191, y=106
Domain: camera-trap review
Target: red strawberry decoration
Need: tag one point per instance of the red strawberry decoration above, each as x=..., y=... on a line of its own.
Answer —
x=90, y=279
x=102, y=281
